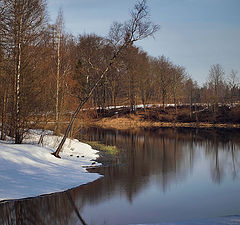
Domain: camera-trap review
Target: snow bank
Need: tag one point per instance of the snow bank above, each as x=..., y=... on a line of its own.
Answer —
x=29, y=170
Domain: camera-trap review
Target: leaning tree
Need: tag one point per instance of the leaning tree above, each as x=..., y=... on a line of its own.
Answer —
x=121, y=36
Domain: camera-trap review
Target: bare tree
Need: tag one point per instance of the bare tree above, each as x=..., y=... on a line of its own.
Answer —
x=215, y=78
x=92, y=55
x=131, y=55
x=233, y=81
x=163, y=77
x=145, y=79
x=114, y=82
x=122, y=35
x=59, y=29
x=177, y=76
x=23, y=25
x=190, y=89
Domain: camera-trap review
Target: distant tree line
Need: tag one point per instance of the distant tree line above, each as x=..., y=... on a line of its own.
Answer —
x=46, y=71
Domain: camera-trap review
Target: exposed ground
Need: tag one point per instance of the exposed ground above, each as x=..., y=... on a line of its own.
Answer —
x=154, y=116
x=200, y=117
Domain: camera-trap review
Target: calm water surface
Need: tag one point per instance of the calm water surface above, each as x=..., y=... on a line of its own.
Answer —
x=162, y=176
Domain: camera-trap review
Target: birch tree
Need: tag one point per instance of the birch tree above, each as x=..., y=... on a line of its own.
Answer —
x=3, y=94
x=23, y=24
x=59, y=29
x=121, y=35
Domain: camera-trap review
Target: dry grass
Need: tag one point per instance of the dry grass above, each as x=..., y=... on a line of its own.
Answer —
x=153, y=117
x=112, y=150
x=130, y=123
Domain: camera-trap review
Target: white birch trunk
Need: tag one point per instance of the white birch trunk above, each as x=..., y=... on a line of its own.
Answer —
x=18, y=73
x=58, y=72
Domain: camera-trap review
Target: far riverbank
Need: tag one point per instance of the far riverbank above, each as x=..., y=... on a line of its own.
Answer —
x=134, y=123
x=182, y=117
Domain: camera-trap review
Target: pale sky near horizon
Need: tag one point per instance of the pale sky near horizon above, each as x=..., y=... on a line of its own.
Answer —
x=193, y=33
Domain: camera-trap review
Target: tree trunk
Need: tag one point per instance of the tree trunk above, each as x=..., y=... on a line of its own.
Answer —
x=18, y=135
x=190, y=114
x=139, y=22
x=58, y=73
x=175, y=102
x=56, y=153
x=163, y=101
x=17, y=120
x=4, y=104
x=143, y=101
x=132, y=94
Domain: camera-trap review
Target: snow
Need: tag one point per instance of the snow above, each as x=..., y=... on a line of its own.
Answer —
x=29, y=170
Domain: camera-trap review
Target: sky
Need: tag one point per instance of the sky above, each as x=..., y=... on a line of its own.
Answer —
x=193, y=33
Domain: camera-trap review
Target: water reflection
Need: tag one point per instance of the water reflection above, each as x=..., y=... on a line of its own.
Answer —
x=159, y=170
x=52, y=209
x=174, y=149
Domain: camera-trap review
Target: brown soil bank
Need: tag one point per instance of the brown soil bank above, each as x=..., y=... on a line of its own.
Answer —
x=202, y=117
x=127, y=123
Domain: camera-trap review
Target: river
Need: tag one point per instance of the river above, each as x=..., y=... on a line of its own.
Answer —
x=161, y=176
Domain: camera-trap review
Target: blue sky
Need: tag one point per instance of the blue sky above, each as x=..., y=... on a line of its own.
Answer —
x=194, y=33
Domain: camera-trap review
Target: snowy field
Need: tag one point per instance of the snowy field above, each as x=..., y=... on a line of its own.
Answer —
x=29, y=170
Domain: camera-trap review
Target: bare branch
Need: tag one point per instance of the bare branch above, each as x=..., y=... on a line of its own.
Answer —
x=138, y=27
x=121, y=36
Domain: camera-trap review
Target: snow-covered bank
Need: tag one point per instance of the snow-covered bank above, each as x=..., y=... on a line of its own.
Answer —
x=29, y=170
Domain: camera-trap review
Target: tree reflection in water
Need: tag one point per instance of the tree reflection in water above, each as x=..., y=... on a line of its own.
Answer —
x=163, y=156
x=56, y=209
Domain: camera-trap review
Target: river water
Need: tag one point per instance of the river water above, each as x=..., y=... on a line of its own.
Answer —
x=161, y=176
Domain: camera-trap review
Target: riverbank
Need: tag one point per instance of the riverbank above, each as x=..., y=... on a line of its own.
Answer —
x=107, y=154
x=201, y=116
x=30, y=170
x=134, y=122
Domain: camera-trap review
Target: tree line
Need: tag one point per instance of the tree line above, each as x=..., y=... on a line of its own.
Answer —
x=45, y=71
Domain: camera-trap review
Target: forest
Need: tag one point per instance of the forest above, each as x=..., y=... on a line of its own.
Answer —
x=46, y=72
